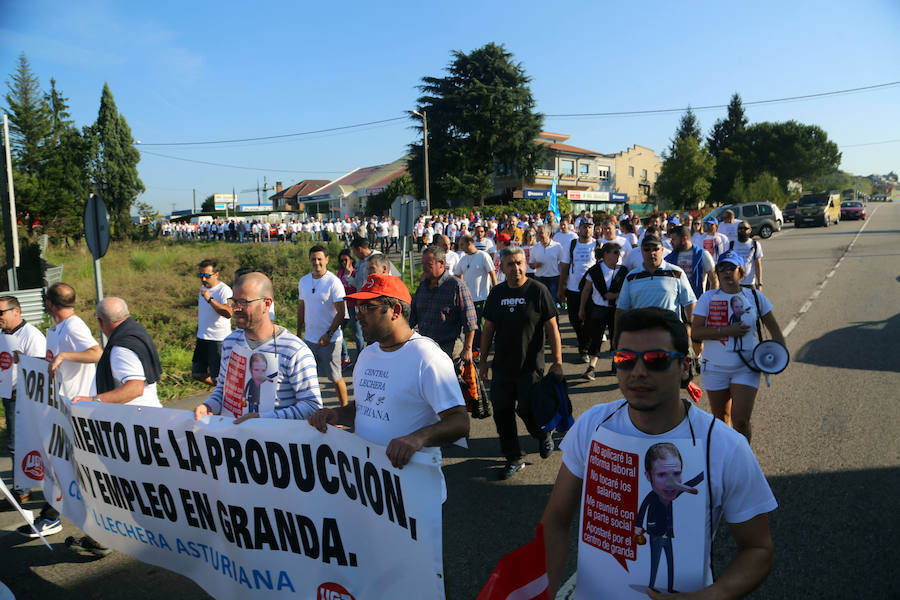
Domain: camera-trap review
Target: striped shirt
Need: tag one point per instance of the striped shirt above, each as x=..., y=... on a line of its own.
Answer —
x=297, y=394
x=442, y=311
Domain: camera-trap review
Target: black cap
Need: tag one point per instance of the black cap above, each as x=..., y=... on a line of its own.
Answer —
x=651, y=238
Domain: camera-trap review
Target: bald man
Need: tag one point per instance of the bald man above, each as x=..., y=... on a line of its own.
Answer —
x=291, y=366
x=129, y=367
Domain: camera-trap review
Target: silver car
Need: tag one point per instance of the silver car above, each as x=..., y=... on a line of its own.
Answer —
x=764, y=217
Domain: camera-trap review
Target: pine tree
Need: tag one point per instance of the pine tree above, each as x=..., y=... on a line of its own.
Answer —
x=726, y=144
x=29, y=118
x=480, y=115
x=688, y=126
x=114, y=162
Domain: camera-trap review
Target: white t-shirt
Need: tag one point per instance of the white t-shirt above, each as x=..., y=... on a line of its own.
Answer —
x=451, y=260
x=210, y=324
x=475, y=270
x=608, y=274
x=403, y=391
x=27, y=340
x=549, y=256
x=722, y=309
x=729, y=230
x=686, y=262
x=624, y=244
x=72, y=335
x=714, y=244
x=745, y=251
x=739, y=488
x=565, y=239
x=582, y=259
x=319, y=296
x=126, y=366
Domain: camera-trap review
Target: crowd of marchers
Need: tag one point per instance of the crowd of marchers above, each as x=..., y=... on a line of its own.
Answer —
x=671, y=297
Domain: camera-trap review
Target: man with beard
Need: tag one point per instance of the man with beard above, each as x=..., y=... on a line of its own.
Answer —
x=296, y=381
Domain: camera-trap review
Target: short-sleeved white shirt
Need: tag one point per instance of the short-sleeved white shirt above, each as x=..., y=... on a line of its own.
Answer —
x=28, y=340
x=549, y=256
x=319, y=296
x=582, y=258
x=721, y=309
x=72, y=335
x=475, y=270
x=126, y=366
x=210, y=324
x=745, y=250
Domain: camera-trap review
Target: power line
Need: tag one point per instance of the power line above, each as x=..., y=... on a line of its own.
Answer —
x=257, y=169
x=661, y=111
x=273, y=137
x=869, y=144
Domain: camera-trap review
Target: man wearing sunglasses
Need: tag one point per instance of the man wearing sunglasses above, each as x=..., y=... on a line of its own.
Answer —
x=25, y=339
x=652, y=364
x=213, y=323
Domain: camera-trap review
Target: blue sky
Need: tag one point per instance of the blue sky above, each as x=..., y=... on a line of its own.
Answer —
x=197, y=71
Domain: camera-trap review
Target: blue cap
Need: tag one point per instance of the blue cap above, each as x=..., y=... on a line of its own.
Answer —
x=674, y=221
x=711, y=220
x=731, y=257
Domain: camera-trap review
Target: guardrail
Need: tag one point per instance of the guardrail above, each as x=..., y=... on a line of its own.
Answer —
x=32, y=304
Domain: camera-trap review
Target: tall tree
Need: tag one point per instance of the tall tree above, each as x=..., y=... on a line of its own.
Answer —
x=114, y=162
x=789, y=151
x=480, y=115
x=29, y=116
x=726, y=144
x=688, y=126
x=684, y=179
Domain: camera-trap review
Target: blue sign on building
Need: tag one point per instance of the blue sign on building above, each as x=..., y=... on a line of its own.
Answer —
x=535, y=193
x=617, y=197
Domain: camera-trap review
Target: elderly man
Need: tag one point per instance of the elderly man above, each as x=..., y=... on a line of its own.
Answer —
x=517, y=315
x=442, y=306
x=545, y=258
x=72, y=353
x=420, y=405
x=363, y=253
x=127, y=373
x=295, y=382
x=27, y=340
x=651, y=366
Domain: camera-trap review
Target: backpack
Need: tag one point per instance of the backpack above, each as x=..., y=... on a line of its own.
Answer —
x=752, y=252
x=572, y=264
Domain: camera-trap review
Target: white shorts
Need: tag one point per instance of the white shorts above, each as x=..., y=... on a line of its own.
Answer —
x=721, y=379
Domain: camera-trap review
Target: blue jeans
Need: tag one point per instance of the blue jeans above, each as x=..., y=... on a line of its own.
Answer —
x=356, y=330
x=657, y=545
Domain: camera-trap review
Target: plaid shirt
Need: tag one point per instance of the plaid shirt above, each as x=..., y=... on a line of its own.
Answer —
x=441, y=312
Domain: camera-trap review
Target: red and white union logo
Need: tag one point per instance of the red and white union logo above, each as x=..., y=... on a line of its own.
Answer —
x=333, y=591
x=33, y=465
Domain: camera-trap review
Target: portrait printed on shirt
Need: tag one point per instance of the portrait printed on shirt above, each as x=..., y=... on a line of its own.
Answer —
x=251, y=379
x=645, y=517
x=730, y=309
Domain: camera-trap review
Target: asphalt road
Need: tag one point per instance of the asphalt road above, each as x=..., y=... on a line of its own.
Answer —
x=826, y=434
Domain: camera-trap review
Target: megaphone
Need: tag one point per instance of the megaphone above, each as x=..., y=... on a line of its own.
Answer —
x=771, y=357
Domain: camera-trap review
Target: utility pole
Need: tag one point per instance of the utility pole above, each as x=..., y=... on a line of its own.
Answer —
x=195, y=200
x=424, y=116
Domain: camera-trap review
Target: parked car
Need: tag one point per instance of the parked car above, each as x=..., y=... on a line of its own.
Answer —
x=853, y=210
x=763, y=217
x=818, y=209
x=790, y=210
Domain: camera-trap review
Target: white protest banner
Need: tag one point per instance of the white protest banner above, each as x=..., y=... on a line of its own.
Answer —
x=264, y=509
x=7, y=345
x=43, y=446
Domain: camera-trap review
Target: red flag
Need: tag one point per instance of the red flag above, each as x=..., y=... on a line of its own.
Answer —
x=521, y=574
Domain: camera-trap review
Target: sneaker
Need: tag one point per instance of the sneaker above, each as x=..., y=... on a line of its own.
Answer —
x=585, y=358
x=589, y=374
x=87, y=544
x=511, y=468
x=45, y=526
x=547, y=446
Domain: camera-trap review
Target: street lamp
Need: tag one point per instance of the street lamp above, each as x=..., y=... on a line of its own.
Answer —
x=424, y=116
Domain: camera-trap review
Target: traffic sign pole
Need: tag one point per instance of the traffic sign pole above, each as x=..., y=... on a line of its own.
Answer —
x=96, y=234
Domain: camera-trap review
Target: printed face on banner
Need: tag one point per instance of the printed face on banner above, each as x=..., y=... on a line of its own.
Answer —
x=736, y=309
x=637, y=508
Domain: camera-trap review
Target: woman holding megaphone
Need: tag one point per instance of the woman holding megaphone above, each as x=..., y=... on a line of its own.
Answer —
x=727, y=321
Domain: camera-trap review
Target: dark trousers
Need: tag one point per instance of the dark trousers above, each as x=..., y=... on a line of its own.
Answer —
x=600, y=320
x=573, y=303
x=552, y=284
x=479, y=315
x=511, y=396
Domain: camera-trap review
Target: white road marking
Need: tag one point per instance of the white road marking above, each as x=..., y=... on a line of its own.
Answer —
x=818, y=291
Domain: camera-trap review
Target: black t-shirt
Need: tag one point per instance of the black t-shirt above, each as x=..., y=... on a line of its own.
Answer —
x=518, y=315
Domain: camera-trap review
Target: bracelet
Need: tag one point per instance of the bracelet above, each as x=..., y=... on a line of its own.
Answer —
x=209, y=300
x=96, y=399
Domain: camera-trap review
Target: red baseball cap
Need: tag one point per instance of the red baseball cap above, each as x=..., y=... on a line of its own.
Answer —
x=378, y=285
x=503, y=237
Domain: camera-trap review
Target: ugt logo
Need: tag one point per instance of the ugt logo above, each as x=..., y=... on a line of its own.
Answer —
x=333, y=591
x=33, y=465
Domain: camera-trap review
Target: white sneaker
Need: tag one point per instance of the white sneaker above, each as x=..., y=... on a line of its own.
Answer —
x=45, y=526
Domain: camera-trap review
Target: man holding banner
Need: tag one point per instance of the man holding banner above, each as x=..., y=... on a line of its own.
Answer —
x=19, y=337
x=608, y=467
x=72, y=353
x=291, y=386
x=406, y=394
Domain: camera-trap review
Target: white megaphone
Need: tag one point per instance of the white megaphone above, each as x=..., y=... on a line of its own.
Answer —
x=771, y=357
